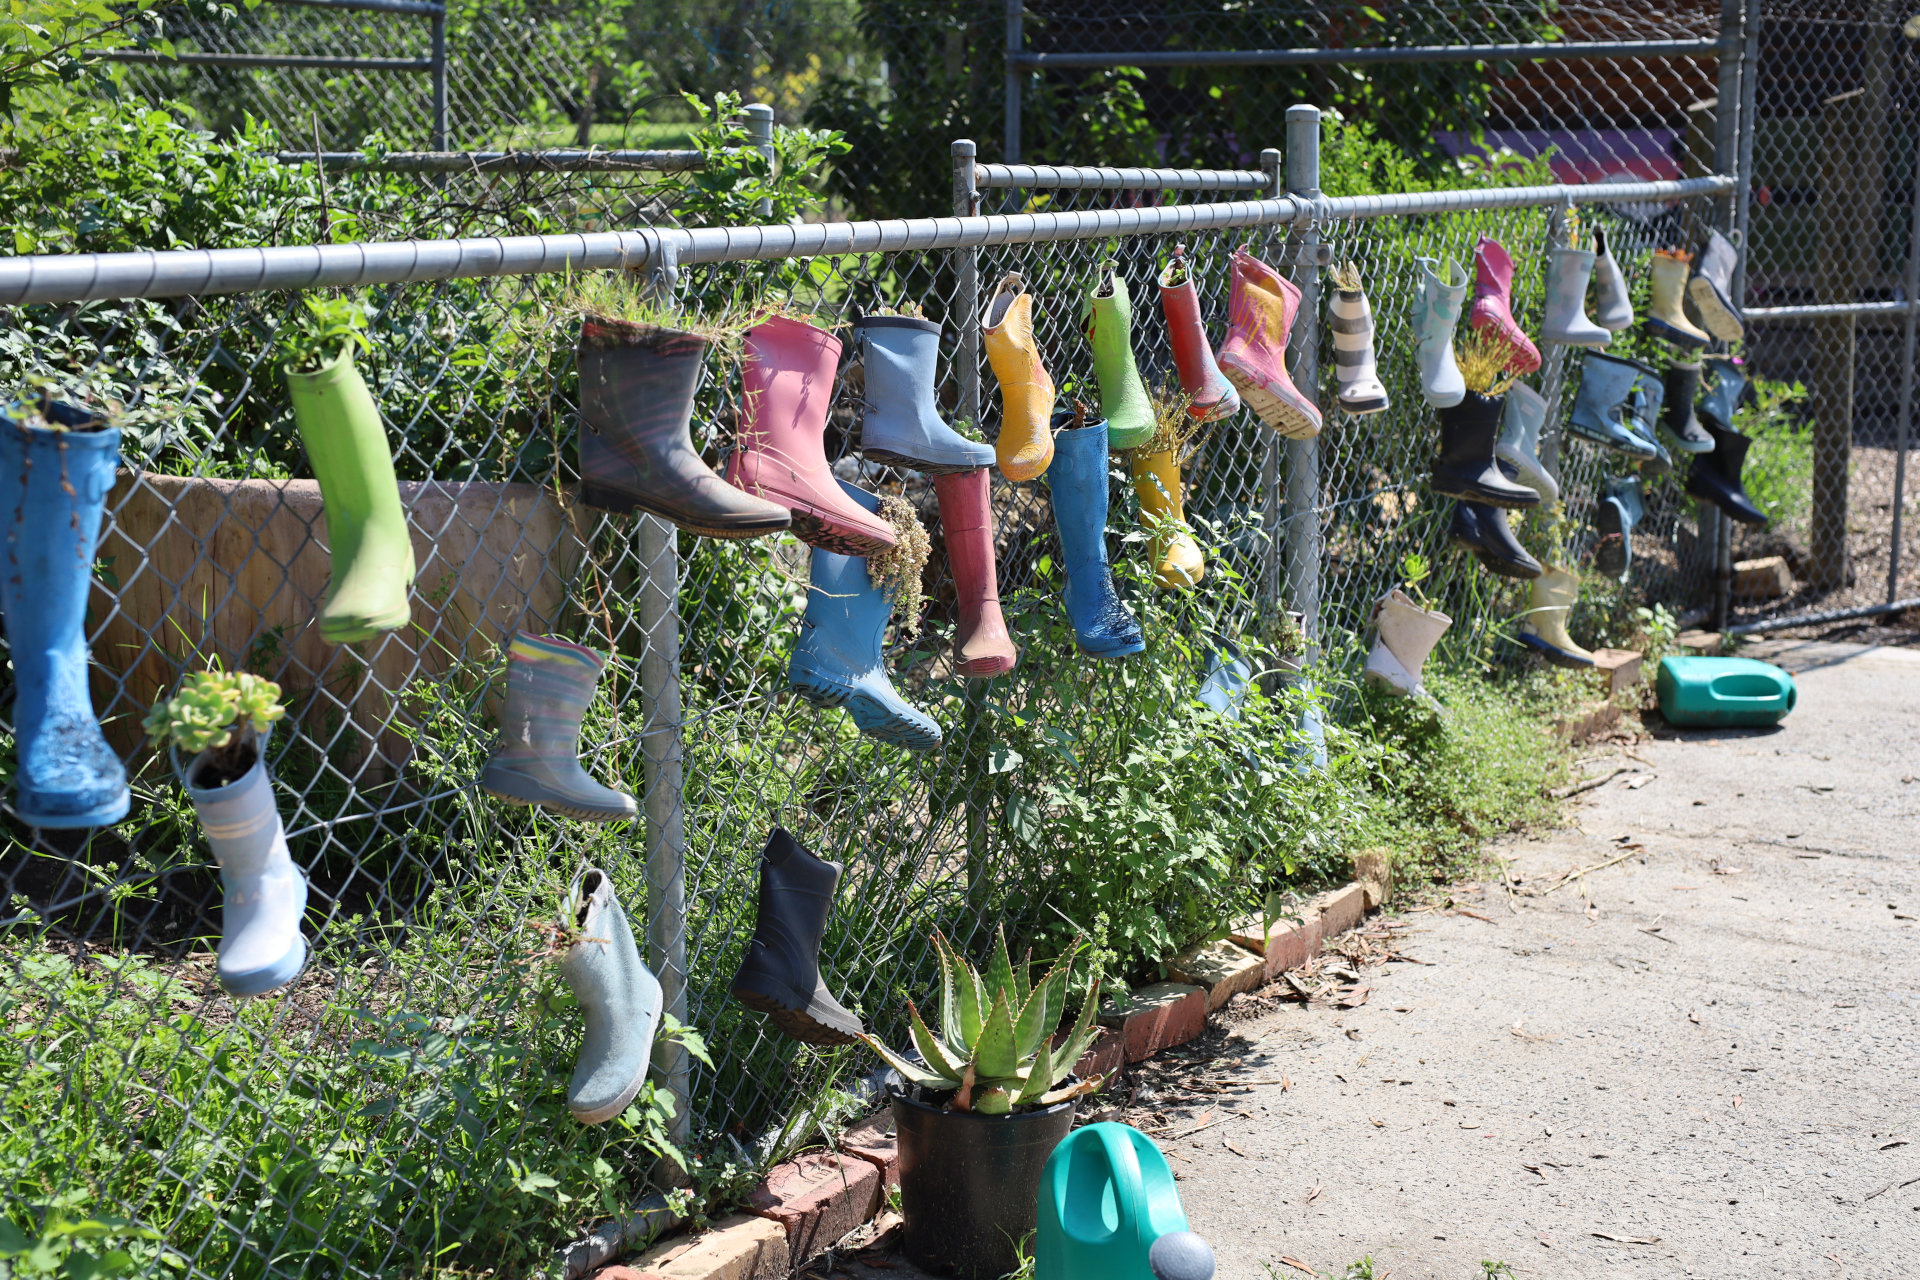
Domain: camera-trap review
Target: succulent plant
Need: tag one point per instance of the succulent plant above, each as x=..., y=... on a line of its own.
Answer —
x=210, y=707
x=995, y=1048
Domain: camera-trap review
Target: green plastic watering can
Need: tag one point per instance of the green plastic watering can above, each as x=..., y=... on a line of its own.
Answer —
x=1109, y=1211
x=1724, y=691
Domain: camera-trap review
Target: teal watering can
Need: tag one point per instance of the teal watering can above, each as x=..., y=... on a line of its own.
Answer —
x=1109, y=1211
x=1723, y=691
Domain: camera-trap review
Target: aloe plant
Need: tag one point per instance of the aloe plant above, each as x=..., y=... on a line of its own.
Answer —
x=994, y=1051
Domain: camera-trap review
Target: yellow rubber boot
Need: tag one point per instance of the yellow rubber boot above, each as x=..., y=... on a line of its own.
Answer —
x=1025, y=446
x=1667, y=317
x=1177, y=561
x=1543, y=627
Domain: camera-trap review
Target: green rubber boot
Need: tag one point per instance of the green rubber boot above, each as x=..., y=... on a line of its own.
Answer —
x=1123, y=396
x=346, y=442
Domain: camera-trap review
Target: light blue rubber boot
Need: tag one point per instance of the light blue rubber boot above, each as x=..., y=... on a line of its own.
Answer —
x=840, y=661
x=263, y=894
x=1309, y=754
x=1077, y=481
x=1226, y=684
x=1642, y=417
x=1616, y=513
x=1725, y=385
x=53, y=491
x=619, y=999
x=1606, y=382
x=901, y=426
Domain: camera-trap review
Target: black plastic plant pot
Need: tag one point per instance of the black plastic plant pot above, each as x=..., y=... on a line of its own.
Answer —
x=970, y=1184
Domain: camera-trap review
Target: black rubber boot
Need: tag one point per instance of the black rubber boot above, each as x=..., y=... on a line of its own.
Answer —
x=1483, y=530
x=1683, y=384
x=780, y=976
x=1466, y=468
x=1715, y=476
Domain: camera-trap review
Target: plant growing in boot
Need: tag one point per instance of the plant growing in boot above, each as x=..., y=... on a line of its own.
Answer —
x=222, y=721
x=57, y=463
x=1408, y=627
x=346, y=445
x=640, y=364
x=1466, y=468
x=995, y=1054
x=1177, y=559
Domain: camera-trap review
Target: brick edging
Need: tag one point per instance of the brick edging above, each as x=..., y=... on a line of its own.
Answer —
x=803, y=1206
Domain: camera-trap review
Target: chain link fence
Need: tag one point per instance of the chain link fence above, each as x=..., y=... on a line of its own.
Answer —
x=400, y=1108
x=400, y=1104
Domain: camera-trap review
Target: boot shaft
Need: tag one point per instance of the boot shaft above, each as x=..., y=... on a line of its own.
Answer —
x=54, y=486
x=346, y=442
x=786, y=385
x=1569, y=271
x=1726, y=385
x=1492, y=273
x=966, y=525
x=1729, y=454
x=1613, y=305
x=1526, y=411
x=1078, y=481
x=1156, y=483
x=1667, y=285
x=550, y=681
x=1437, y=301
x=1410, y=631
x=1717, y=261
x=1011, y=348
x=1208, y=392
x=1468, y=431
x=899, y=355
x=636, y=394
x=795, y=898
x=1261, y=305
x=1605, y=384
x=846, y=613
x=240, y=819
x=1682, y=386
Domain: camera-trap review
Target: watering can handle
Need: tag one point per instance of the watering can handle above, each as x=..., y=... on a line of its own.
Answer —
x=1123, y=1168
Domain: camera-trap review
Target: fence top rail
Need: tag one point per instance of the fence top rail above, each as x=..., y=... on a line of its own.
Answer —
x=174, y=273
x=1817, y=310
x=1570, y=49
x=556, y=160
x=1044, y=176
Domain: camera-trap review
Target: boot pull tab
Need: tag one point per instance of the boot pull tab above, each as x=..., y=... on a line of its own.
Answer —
x=1009, y=283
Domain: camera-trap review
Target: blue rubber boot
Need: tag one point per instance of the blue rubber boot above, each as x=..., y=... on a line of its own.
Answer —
x=620, y=1001
x=1077, y=481
x=1228, y=679
x=840, y=660
x=1606, y=383
x=1725, y=385
x=55, y=486
x=1615, y=514
x=1642, y=417
x=1309, y=754
x=901, y=425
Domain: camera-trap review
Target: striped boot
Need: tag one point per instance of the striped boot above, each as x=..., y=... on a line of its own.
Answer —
x=549, y=684
x=1359, y=377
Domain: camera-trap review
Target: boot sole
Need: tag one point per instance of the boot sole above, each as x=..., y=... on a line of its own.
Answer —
x=101, y=815
x=260, y=981
x=1485, y=497
x=830, y=536
x=985, y=668
x=1293, y=419
x=873, y=717
x=1674, y=337
x=1494, y=564
x=887, y=457
x=1360, y=408
x=1607, y=443
x=584, y=814
x=1554, y=654
x=618, y=503
x=1716, y=317
x=794, y=1023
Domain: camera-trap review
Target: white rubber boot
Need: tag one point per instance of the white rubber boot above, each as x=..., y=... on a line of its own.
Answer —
x=1519, y=446
x=1407, y=634
x=1568, y=271
x=1436, y=312
x=1612, y=305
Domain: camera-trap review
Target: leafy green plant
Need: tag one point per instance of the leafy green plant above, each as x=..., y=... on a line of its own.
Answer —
x=996, y=1055
x=738, y=185
x=1414, y=572
x=220, y=713
x=1778, y=475
x=1658, y=630
x=320, y=331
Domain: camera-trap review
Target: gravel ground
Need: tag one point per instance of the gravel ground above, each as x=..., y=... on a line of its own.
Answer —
x=1697, y=1061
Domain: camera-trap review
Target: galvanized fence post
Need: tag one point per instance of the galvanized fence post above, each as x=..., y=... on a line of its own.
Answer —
x=1270, y=490
x=1903, y=432
x=1015, y=83
x=1303, y=456
x=965, y=320
x=660, y=750
x=440, y=79
x=1730, y=123
x=760, y=137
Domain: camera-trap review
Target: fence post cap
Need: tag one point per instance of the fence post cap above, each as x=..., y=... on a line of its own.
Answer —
x=964, y=147
x=1303, y=111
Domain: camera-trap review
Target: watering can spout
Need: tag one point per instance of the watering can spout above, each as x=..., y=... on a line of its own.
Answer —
x=1181, y=1255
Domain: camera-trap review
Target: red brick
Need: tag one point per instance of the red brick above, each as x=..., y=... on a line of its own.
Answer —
x=738, y=1248
x=1341, y=910
x=818, y=1199
x=1291, y=945
x=874, y=1141
x=1221, y=968
x=1107, y=1055
x=1157, y=1017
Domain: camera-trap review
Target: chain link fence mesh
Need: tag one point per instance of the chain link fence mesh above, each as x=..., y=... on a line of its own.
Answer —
x=401, y=1106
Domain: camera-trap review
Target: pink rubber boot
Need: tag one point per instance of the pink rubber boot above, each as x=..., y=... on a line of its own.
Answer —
x=1260, y=309
x=786, y=390
x=1493, y=304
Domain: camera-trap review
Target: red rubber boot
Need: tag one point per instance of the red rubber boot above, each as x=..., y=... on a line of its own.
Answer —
x=1493, y=304
x=981, y=648
x=1209, y=394
x=786, y=390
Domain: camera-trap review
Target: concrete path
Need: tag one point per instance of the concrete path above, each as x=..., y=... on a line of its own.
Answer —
x=1703, y=1060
